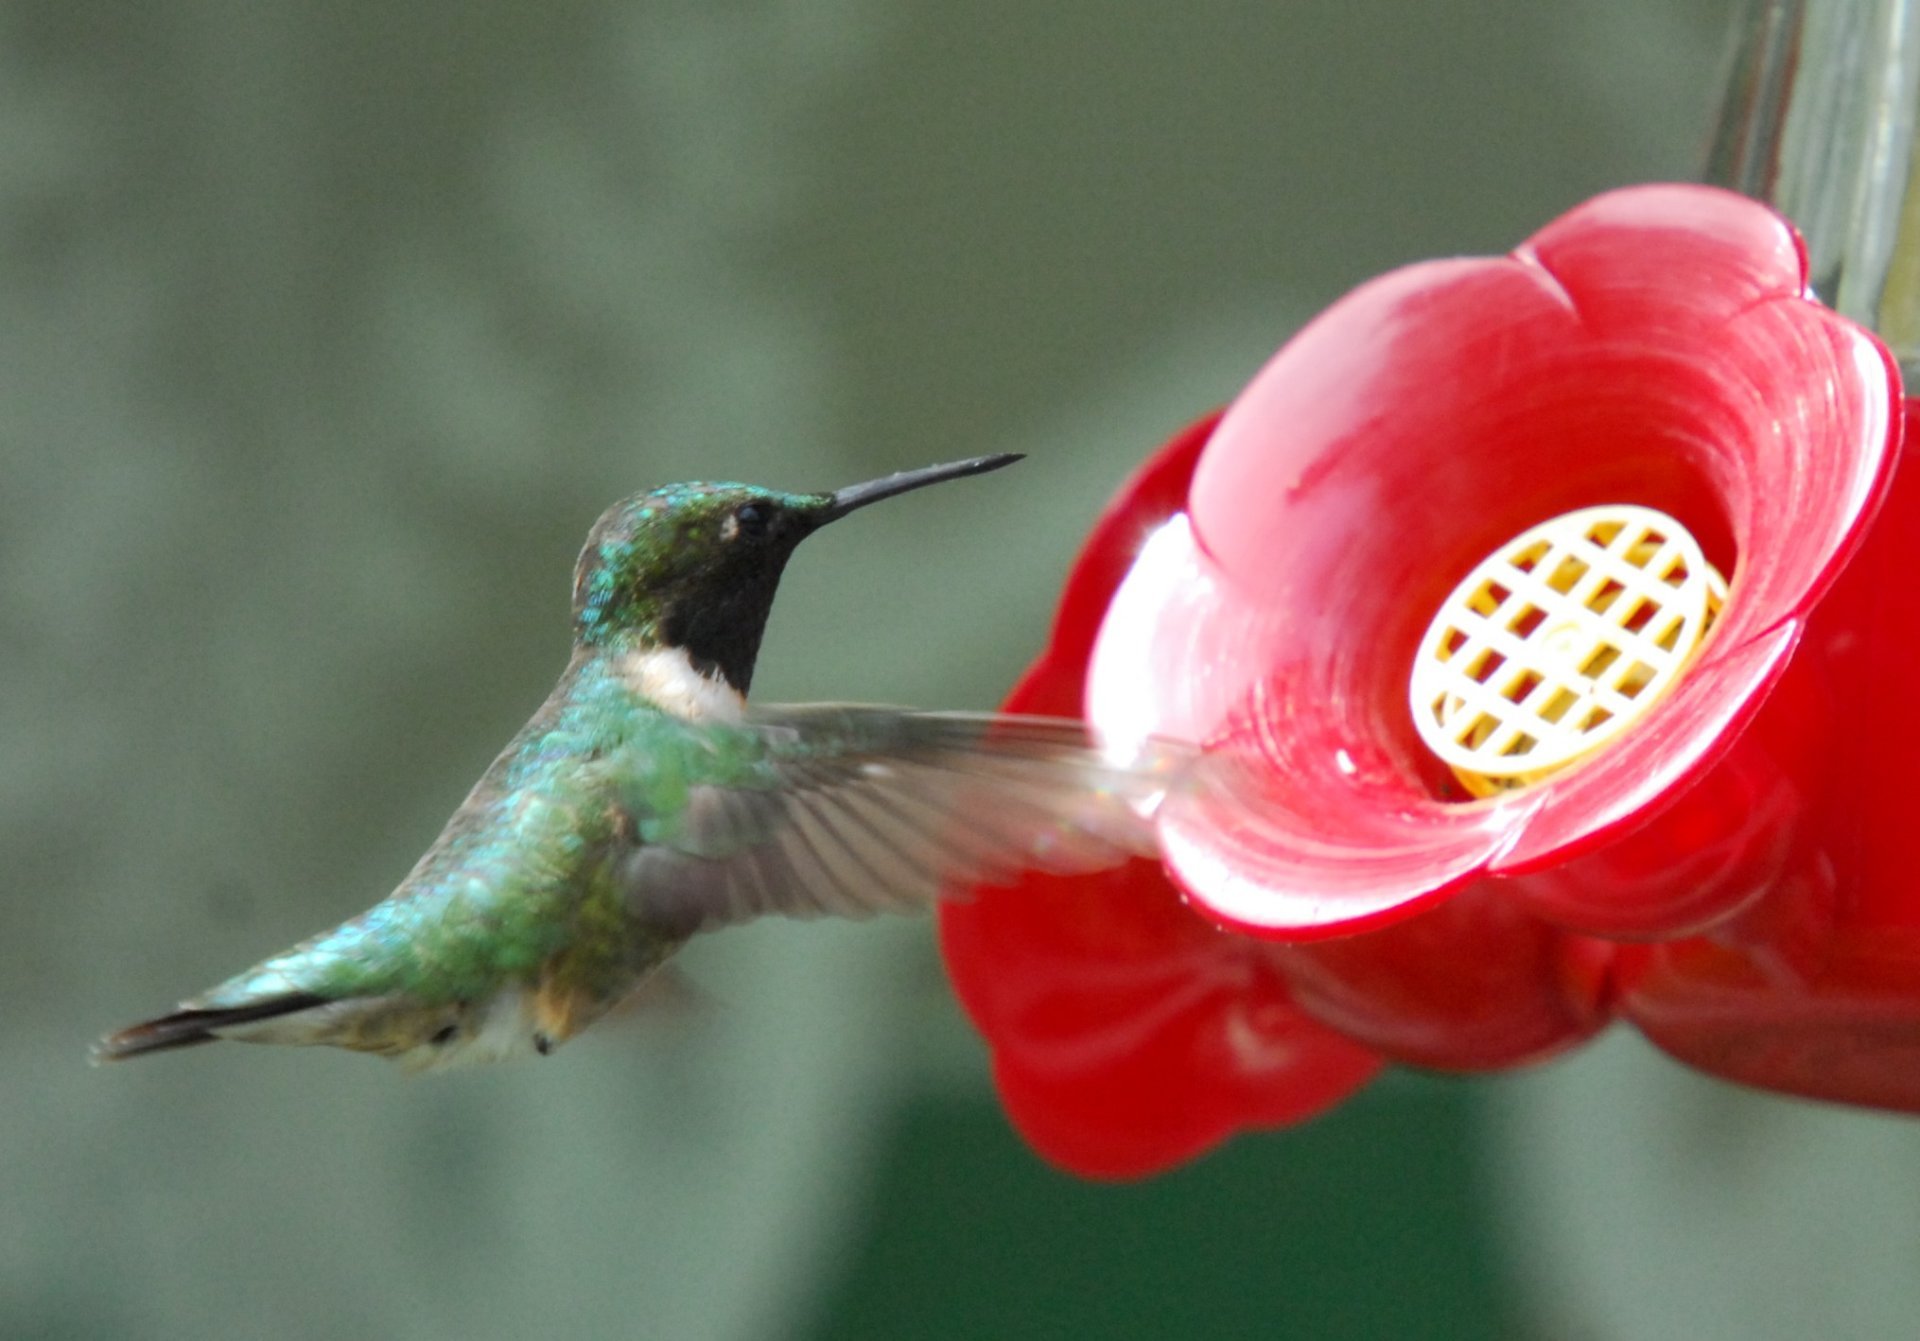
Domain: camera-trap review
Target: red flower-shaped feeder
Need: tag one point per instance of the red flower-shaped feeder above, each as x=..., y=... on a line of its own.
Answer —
x=1654, y=347
x=1596, y=492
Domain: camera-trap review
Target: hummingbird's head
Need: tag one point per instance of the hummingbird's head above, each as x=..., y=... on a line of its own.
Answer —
x=695, y=566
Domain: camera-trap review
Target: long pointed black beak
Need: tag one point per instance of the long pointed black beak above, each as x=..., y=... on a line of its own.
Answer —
x=859, y=495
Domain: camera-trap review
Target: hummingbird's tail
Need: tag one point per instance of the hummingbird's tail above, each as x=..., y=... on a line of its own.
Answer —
x=186, y=1028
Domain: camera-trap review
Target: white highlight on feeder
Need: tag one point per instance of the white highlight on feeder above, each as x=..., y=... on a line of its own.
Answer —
x=1559, y=641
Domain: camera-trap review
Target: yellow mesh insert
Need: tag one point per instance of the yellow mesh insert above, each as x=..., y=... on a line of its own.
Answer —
x=1560, y=641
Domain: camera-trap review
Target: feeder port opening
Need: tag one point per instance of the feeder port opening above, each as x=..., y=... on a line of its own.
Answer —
x=1559, y=641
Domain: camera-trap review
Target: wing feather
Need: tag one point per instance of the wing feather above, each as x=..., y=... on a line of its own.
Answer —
x=849, y=811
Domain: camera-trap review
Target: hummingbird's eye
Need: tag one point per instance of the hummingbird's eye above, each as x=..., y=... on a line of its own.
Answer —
x=751, y=520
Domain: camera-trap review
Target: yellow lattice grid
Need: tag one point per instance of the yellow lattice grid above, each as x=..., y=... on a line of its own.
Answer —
x=1559, y=641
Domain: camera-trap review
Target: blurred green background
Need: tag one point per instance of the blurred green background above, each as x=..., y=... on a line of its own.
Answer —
x=325, y=331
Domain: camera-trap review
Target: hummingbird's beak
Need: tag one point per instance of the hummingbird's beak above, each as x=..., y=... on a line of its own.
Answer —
x=859, y=495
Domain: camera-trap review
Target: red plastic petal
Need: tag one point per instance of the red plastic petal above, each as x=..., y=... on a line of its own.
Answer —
x=1851, y=1034
x=1127, y=1034
x=1705, y=256
x=1474, y=984
x=1267, y=851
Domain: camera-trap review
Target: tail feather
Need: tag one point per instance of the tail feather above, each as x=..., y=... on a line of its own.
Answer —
x=188, y=1028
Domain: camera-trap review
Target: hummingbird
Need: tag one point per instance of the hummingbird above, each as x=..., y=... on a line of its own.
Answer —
x=645, y=802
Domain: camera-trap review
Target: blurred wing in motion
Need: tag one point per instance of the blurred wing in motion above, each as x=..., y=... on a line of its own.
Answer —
x=853, y=811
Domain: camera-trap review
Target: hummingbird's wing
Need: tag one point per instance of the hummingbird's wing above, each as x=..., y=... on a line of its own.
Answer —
x=849, y=811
